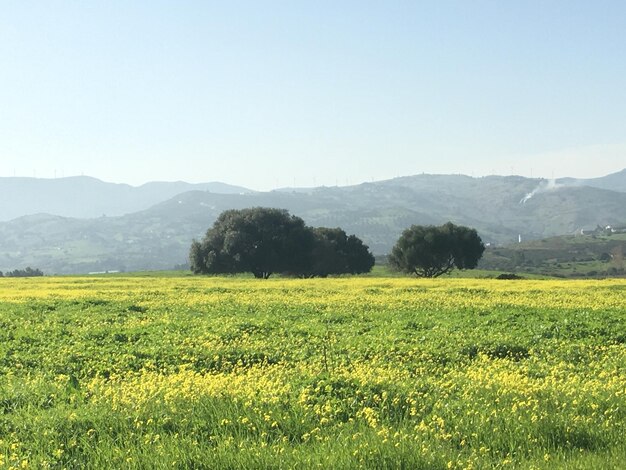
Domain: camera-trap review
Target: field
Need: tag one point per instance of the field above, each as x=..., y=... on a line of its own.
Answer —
x=186, y=372
x=583, y=256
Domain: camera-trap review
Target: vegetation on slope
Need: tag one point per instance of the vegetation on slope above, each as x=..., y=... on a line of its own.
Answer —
x=159, y=237
x=593, y=255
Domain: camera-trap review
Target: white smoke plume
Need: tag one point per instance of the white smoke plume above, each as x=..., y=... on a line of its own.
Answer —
x=544, y=187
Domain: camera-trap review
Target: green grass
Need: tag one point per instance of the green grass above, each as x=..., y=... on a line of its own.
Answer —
x=189, y=372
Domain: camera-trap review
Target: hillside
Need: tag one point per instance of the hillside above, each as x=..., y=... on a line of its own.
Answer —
x=595, y=254
x=612, y=182
x=159, y=237
x=86, y=197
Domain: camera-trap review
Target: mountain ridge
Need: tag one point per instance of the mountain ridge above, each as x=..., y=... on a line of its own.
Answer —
x=614, y=181
x=501, y=208
x=88, y=197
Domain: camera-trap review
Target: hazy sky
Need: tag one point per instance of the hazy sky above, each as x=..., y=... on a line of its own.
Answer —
x=267, y=94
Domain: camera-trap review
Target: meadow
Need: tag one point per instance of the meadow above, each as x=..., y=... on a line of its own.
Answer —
x=196, y=372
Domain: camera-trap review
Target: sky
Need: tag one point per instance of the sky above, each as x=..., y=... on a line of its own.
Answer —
x=268, y=94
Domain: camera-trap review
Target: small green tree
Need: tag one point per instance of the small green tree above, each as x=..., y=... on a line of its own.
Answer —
x=430, y=251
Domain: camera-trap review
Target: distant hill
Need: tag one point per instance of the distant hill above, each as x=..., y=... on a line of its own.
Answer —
x=612, y=182
x=500, y=208
x=86, y=197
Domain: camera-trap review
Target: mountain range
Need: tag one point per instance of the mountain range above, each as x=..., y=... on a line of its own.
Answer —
x=86, y=197
x=81, y=224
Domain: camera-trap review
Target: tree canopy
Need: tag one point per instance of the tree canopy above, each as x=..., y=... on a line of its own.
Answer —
x=257, y=240
x=430, y=251
x=28, y=272
x=265, y=241
x=335, y=252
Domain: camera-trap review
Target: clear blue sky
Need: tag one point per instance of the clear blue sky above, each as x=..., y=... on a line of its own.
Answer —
x=265, y=94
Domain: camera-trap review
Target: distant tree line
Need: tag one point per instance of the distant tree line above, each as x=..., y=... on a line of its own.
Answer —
x=28, y=272
x=264, y=241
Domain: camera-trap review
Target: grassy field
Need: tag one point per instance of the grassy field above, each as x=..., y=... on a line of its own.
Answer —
x=188, y=372
x=591, y=256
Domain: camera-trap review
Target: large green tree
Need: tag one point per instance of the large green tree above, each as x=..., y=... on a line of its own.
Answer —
x=335, y=252
x=430, y=251
x=265, y=241
x=257, y=240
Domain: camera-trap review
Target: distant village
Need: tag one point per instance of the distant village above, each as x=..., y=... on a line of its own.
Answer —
x=603, y=230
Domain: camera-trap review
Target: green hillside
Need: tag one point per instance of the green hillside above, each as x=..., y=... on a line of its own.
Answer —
x=500, y=208
x=598, y=254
